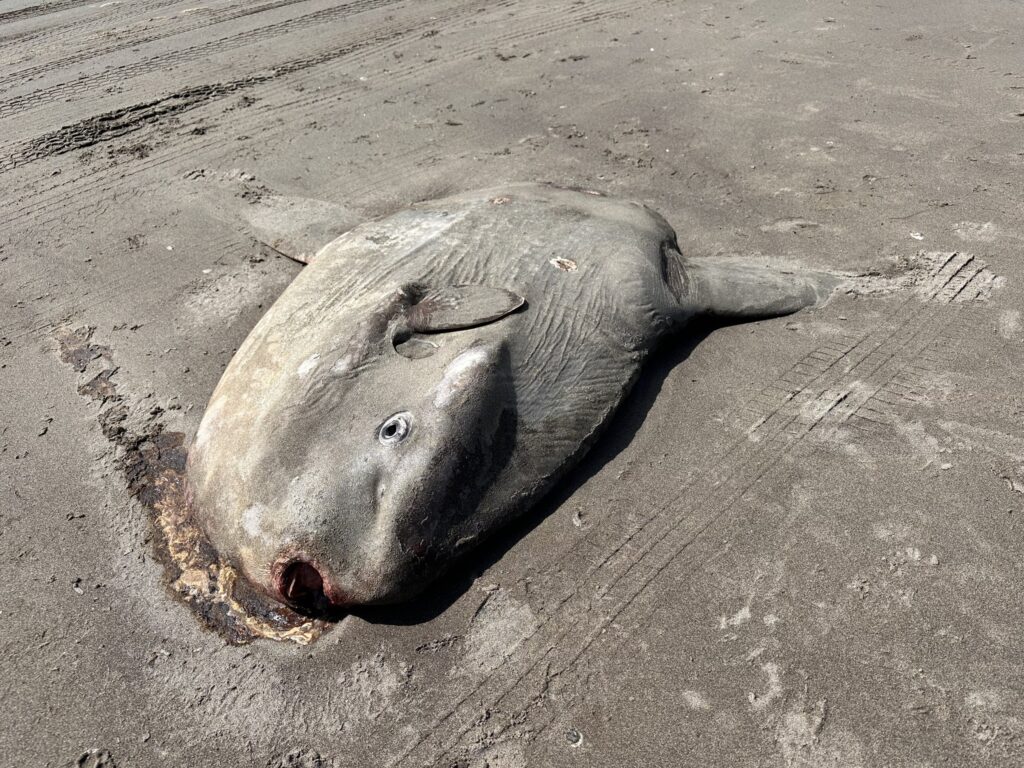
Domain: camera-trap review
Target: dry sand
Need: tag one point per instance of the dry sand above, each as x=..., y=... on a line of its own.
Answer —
x=799, y=545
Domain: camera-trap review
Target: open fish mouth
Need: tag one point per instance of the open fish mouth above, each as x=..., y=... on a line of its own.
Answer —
x=308, y=587
x=300, y=584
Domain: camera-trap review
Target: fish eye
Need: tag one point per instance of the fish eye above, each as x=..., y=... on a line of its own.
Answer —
x=395, y=429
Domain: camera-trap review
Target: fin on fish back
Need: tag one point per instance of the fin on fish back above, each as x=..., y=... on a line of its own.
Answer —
x=296, y=227
x=731, y=289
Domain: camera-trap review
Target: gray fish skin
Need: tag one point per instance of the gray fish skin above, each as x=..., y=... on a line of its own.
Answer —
x=297, y=474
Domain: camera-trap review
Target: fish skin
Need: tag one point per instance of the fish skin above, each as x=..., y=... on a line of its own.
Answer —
x=287, y=464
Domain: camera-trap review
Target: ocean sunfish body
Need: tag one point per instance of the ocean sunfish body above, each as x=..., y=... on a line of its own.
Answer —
x=430, y=375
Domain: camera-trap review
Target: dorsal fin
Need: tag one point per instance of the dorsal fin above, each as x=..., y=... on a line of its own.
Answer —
x=296, y=227
x=292, y=225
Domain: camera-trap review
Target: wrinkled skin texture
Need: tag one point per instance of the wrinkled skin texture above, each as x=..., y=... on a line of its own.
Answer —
x=292, y=473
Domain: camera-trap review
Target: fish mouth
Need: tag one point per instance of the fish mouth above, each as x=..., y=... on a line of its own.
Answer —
x=301, y=584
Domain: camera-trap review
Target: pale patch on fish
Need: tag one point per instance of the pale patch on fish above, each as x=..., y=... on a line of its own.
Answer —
x=209, y=423
x=308, y=365
x=344, y=365
x=458, y=375
x=252, y=521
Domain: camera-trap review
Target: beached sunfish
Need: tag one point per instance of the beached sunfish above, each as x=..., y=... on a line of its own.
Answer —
x=428, y=376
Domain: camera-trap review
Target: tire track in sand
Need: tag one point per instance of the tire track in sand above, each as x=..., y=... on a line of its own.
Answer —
x=96, y=193
x=91, y=50
x=103, y=18
x=98, y=183
x=117, y=75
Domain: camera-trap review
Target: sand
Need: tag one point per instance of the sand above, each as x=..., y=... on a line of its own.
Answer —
x=798, y=545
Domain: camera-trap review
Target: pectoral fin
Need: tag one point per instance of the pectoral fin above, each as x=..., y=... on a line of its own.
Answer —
x=455, y=307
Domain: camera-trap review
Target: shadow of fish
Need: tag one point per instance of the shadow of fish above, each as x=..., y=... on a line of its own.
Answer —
x=430, y=375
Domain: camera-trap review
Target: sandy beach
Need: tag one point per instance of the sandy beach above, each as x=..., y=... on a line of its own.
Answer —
x=799, y=542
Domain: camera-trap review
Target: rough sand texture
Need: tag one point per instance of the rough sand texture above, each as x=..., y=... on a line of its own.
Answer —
x=800, y=544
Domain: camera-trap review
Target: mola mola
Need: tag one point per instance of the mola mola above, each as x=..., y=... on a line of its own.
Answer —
x=431, y=374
